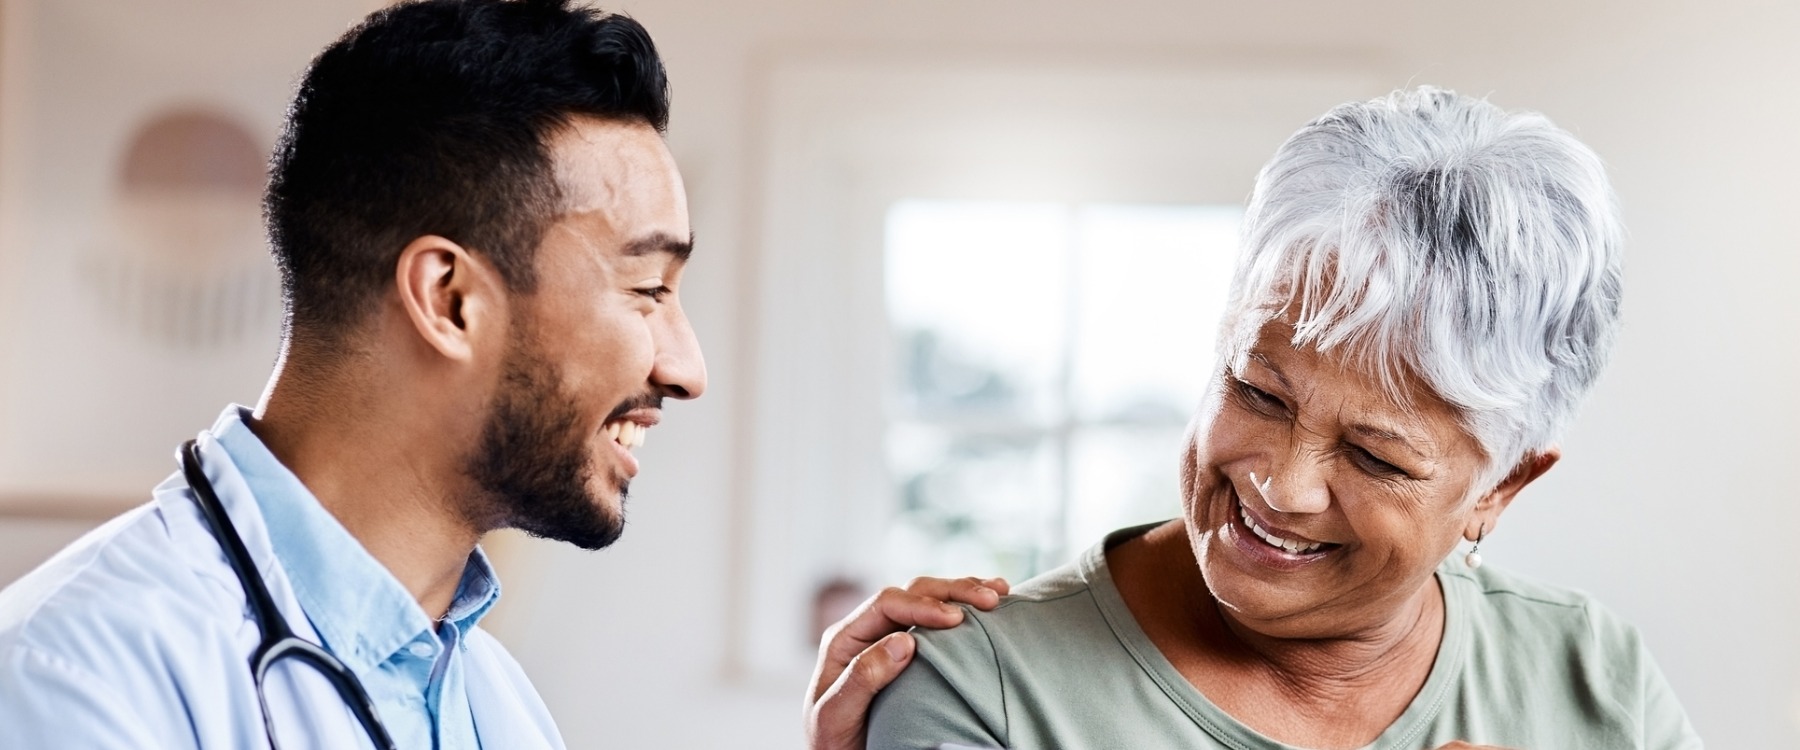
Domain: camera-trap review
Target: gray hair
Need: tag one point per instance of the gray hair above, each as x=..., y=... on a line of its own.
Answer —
x=1434, y=234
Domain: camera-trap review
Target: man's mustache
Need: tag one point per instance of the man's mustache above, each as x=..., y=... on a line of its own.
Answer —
x=645, y=401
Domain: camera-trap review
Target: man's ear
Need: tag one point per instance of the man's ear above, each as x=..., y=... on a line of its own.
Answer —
x=1486, y=513
x=451, y=296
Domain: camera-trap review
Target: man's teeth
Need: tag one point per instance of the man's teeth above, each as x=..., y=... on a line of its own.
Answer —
x=628, y=434
x=1292, y=547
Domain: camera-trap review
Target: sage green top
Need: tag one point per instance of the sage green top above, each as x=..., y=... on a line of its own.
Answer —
x=1062, y=664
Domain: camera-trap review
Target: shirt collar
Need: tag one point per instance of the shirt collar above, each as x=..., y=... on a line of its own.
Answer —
x=361, y=612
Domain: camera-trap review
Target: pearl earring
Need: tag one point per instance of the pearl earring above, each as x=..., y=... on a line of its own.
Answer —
x=1473, y=559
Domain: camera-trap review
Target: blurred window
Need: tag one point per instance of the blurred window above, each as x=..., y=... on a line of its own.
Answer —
x=1047, y=357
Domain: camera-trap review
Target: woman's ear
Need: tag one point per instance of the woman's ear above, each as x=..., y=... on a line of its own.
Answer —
x=1487, y=510
x=452, y=297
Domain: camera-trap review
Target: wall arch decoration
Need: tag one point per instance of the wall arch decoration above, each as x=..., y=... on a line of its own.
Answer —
x=181, y=261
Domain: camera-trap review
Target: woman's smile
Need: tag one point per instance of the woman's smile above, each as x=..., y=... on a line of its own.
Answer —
x=1280, y=541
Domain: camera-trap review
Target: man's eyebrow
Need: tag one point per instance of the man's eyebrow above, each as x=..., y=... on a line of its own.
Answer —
x=661, y=242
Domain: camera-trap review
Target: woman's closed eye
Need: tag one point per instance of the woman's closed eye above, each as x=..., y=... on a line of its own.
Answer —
x=1258, y=399
x=1372, y=464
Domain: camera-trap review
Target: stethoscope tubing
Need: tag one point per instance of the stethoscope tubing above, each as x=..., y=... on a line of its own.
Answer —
x=278, y=639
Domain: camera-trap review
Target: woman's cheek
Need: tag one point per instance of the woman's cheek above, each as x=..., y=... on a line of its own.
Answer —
x=1231, y=437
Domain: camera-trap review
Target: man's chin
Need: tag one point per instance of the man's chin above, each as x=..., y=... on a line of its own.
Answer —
x=597, y=533
x=596, y=541
x=588, y=521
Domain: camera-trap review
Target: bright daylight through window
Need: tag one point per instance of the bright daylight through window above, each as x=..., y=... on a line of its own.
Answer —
x=1046, y=359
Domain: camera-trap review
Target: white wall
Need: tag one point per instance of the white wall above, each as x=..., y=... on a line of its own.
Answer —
x=1671, y=501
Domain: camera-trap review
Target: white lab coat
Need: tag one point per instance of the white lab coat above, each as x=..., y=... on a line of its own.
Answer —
x=138, y=635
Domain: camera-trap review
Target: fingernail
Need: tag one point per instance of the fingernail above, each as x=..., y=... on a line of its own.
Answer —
x=896, y=649
x=983, y=590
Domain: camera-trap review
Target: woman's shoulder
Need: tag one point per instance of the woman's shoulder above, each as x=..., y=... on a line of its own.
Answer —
x=1500, y=600
x=1558, y=654
x=1072, y=612
x=1509, y=586
x=1528, y=632
x=1052, y=602
x=1026, y=674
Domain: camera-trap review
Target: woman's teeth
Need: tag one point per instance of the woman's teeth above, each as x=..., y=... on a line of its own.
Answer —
x=628, y=434
x=1292, y=547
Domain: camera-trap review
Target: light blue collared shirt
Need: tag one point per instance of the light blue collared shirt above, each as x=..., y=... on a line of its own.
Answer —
x=138, y=634
x=361, y=612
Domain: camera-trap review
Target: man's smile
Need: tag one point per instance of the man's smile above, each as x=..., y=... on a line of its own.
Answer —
x=625, y=432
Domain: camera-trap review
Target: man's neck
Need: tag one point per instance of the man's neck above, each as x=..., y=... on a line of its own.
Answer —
x=393, y=484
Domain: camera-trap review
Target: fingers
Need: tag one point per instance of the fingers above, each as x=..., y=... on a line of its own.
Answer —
x=924, y=602
x=838, y=720
x=891, y=610
x=982, y=593
x=969, y=590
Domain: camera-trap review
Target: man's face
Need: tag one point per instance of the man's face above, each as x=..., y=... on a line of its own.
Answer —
x=598, y=345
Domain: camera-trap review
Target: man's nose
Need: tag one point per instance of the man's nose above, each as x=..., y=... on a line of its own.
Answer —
x=680, y=369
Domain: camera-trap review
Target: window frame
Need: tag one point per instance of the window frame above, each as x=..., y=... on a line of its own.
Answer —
x=842, y=139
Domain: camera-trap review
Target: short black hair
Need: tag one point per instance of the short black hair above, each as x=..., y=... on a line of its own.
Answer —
x=433, y=117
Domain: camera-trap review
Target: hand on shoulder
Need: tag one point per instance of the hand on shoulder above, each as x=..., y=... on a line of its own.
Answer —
x=866, y=650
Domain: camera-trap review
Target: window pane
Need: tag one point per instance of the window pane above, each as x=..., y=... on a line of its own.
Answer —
x=1152, y=283
x=976, y=295
x=1049, y=357
x=971, y=503
x=1121, y=476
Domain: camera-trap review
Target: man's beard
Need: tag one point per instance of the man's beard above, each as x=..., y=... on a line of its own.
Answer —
x=533, y=461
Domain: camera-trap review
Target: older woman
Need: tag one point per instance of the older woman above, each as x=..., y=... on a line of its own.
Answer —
x=1428, y=288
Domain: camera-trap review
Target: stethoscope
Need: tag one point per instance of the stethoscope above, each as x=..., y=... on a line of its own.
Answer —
x=278, y=639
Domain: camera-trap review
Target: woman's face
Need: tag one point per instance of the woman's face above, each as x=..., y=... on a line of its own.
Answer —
x=1360, y=498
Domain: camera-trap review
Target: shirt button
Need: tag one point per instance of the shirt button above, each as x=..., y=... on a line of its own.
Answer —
x=422, y=650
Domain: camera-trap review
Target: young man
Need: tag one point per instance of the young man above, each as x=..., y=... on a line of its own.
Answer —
x=481, y=236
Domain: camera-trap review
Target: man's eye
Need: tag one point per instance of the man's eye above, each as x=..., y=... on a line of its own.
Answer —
x=655, y=293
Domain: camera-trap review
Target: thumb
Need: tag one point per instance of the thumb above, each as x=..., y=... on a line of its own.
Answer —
x=840, y=718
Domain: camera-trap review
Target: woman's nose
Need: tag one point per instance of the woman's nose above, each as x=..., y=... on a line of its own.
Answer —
x=1296, y=485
